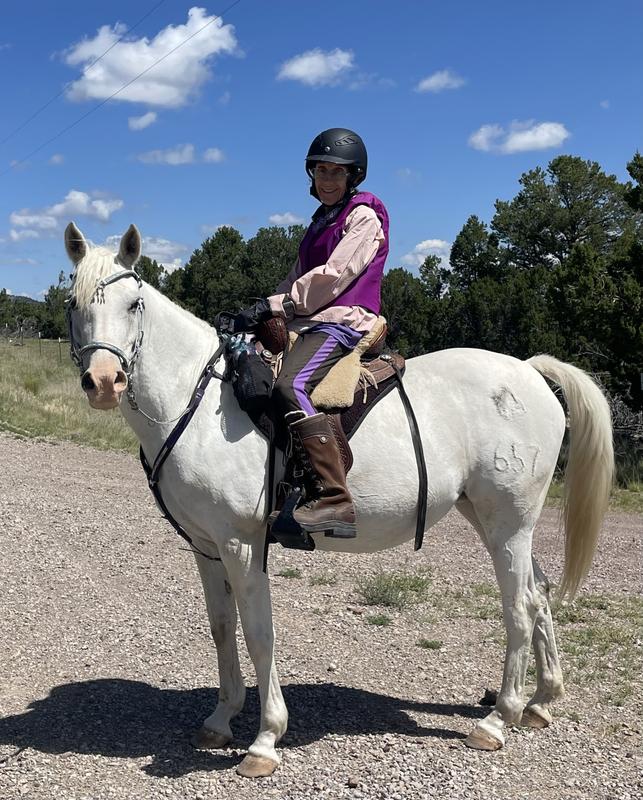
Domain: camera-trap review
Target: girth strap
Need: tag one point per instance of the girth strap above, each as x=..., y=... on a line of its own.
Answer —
x=423, y=478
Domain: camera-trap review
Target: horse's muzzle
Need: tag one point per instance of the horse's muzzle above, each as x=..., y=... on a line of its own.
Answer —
x=104, y=389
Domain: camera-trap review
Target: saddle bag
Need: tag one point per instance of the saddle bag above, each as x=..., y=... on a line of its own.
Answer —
x=252, y=382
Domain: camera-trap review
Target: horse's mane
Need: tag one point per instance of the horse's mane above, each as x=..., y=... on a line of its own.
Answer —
x=99, y=262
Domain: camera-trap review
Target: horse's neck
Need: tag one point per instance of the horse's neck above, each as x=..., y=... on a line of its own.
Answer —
x=174, y=351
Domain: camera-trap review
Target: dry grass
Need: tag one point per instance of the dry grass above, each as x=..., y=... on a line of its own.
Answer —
x=40, y=397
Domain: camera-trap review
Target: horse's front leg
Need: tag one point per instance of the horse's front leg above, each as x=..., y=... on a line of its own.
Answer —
x=244, y=564
x=222, y=613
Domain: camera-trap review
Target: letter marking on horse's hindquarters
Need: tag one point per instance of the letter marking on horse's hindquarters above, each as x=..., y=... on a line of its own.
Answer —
x=516, y=458
x=508, y=405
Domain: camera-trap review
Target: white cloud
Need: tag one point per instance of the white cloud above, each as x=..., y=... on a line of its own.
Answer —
x=138, y=123
x=82, y=204
x=417, y=256
x=521, y=137
x=29, y=219
x=170, y=83
x=288, y=218
x=33, y=224
x=605, y=104
x=181, y=154
x=439, y=81
x=213, y=155
x=225, y=98
x=57, y=159
x=163, y=251
x=486, y=137
x=317, y=68
x=27, y=233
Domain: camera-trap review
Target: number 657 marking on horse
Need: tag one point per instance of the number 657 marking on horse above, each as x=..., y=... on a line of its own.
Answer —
x=213, y=482
x=516, y=457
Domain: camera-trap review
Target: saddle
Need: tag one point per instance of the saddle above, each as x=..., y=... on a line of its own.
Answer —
x=351, y=388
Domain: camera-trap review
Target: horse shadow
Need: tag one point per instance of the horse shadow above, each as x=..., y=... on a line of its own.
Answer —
x=130, y=719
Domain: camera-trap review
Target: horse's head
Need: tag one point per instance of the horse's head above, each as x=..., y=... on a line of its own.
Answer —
x=105, y=314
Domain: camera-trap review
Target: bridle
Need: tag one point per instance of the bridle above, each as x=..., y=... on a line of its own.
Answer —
x=127, y=362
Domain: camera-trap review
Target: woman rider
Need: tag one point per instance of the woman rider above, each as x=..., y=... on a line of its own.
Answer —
x=330, y=298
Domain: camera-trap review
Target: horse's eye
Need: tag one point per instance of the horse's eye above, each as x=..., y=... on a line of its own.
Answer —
x=134, y=306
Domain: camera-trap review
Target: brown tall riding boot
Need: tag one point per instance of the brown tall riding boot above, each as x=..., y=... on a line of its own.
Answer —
x=332, y=510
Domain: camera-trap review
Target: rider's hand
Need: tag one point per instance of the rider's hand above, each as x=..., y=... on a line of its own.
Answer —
x=246, y=320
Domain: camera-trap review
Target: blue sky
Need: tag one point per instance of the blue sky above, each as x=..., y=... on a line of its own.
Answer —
x=455, y=100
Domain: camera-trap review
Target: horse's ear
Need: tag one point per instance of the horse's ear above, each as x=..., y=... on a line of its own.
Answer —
x=75, y=243
x=130, y=248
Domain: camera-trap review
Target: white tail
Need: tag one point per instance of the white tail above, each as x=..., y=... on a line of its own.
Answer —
x=590, y=466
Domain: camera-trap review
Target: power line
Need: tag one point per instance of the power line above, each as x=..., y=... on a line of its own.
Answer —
x=117, y=92
x=67, y=85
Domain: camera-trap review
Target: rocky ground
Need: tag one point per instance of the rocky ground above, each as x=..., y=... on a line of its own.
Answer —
x=107, y=665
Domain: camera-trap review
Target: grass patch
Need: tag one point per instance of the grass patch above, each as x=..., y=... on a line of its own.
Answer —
x=600, y=641
x=290, y=572
x=381, y=620
x=323, y=579
x=479, y=601
x=40, y=397
x=429, y=644
x=393, y=589
x=628, y=499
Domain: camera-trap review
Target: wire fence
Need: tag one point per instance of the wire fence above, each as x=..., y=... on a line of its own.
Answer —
x=24, y=345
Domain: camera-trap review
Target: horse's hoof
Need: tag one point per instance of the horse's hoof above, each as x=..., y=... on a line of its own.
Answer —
x=205, y=739
x=256, y=767
x=534, y=719
x=481, y=740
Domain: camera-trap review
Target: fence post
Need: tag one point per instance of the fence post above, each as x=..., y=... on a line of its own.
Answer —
x=39, y=343
x=60, y=352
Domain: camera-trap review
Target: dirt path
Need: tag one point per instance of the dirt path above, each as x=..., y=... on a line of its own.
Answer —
x=107, y=664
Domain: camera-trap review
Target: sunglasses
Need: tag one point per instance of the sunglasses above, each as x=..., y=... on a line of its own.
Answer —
x=336, y=174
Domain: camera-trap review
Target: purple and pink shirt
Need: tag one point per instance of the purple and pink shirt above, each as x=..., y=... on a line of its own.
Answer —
x=337, y=277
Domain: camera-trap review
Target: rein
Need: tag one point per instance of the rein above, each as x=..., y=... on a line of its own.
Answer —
x=209, y=371
x=153, y=471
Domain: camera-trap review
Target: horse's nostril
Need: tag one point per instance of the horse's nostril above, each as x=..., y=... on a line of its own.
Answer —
x=87, y=382
x=121, y=379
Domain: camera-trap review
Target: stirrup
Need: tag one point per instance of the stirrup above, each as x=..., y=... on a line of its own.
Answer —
x=285, y=528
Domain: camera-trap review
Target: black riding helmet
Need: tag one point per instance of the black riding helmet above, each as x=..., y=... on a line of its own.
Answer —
x=338, y=146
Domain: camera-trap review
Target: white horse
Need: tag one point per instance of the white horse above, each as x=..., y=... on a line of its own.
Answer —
x=491, y=429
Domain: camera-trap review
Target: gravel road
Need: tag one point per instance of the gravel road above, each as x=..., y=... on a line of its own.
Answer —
x=107, y=664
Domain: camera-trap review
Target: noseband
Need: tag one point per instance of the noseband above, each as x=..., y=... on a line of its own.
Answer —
x=127, y=363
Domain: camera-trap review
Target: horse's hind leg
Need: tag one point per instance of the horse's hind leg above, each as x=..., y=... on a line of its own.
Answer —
x=222, y=613
x=549, y=677
x=507, y=536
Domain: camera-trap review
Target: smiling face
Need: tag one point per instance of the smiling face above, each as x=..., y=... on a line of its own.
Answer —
x=331, y=182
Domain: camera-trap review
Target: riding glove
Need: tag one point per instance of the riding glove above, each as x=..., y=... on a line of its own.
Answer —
x=245, y=320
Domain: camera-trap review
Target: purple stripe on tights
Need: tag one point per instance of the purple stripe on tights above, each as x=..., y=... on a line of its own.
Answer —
x=299, y=384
